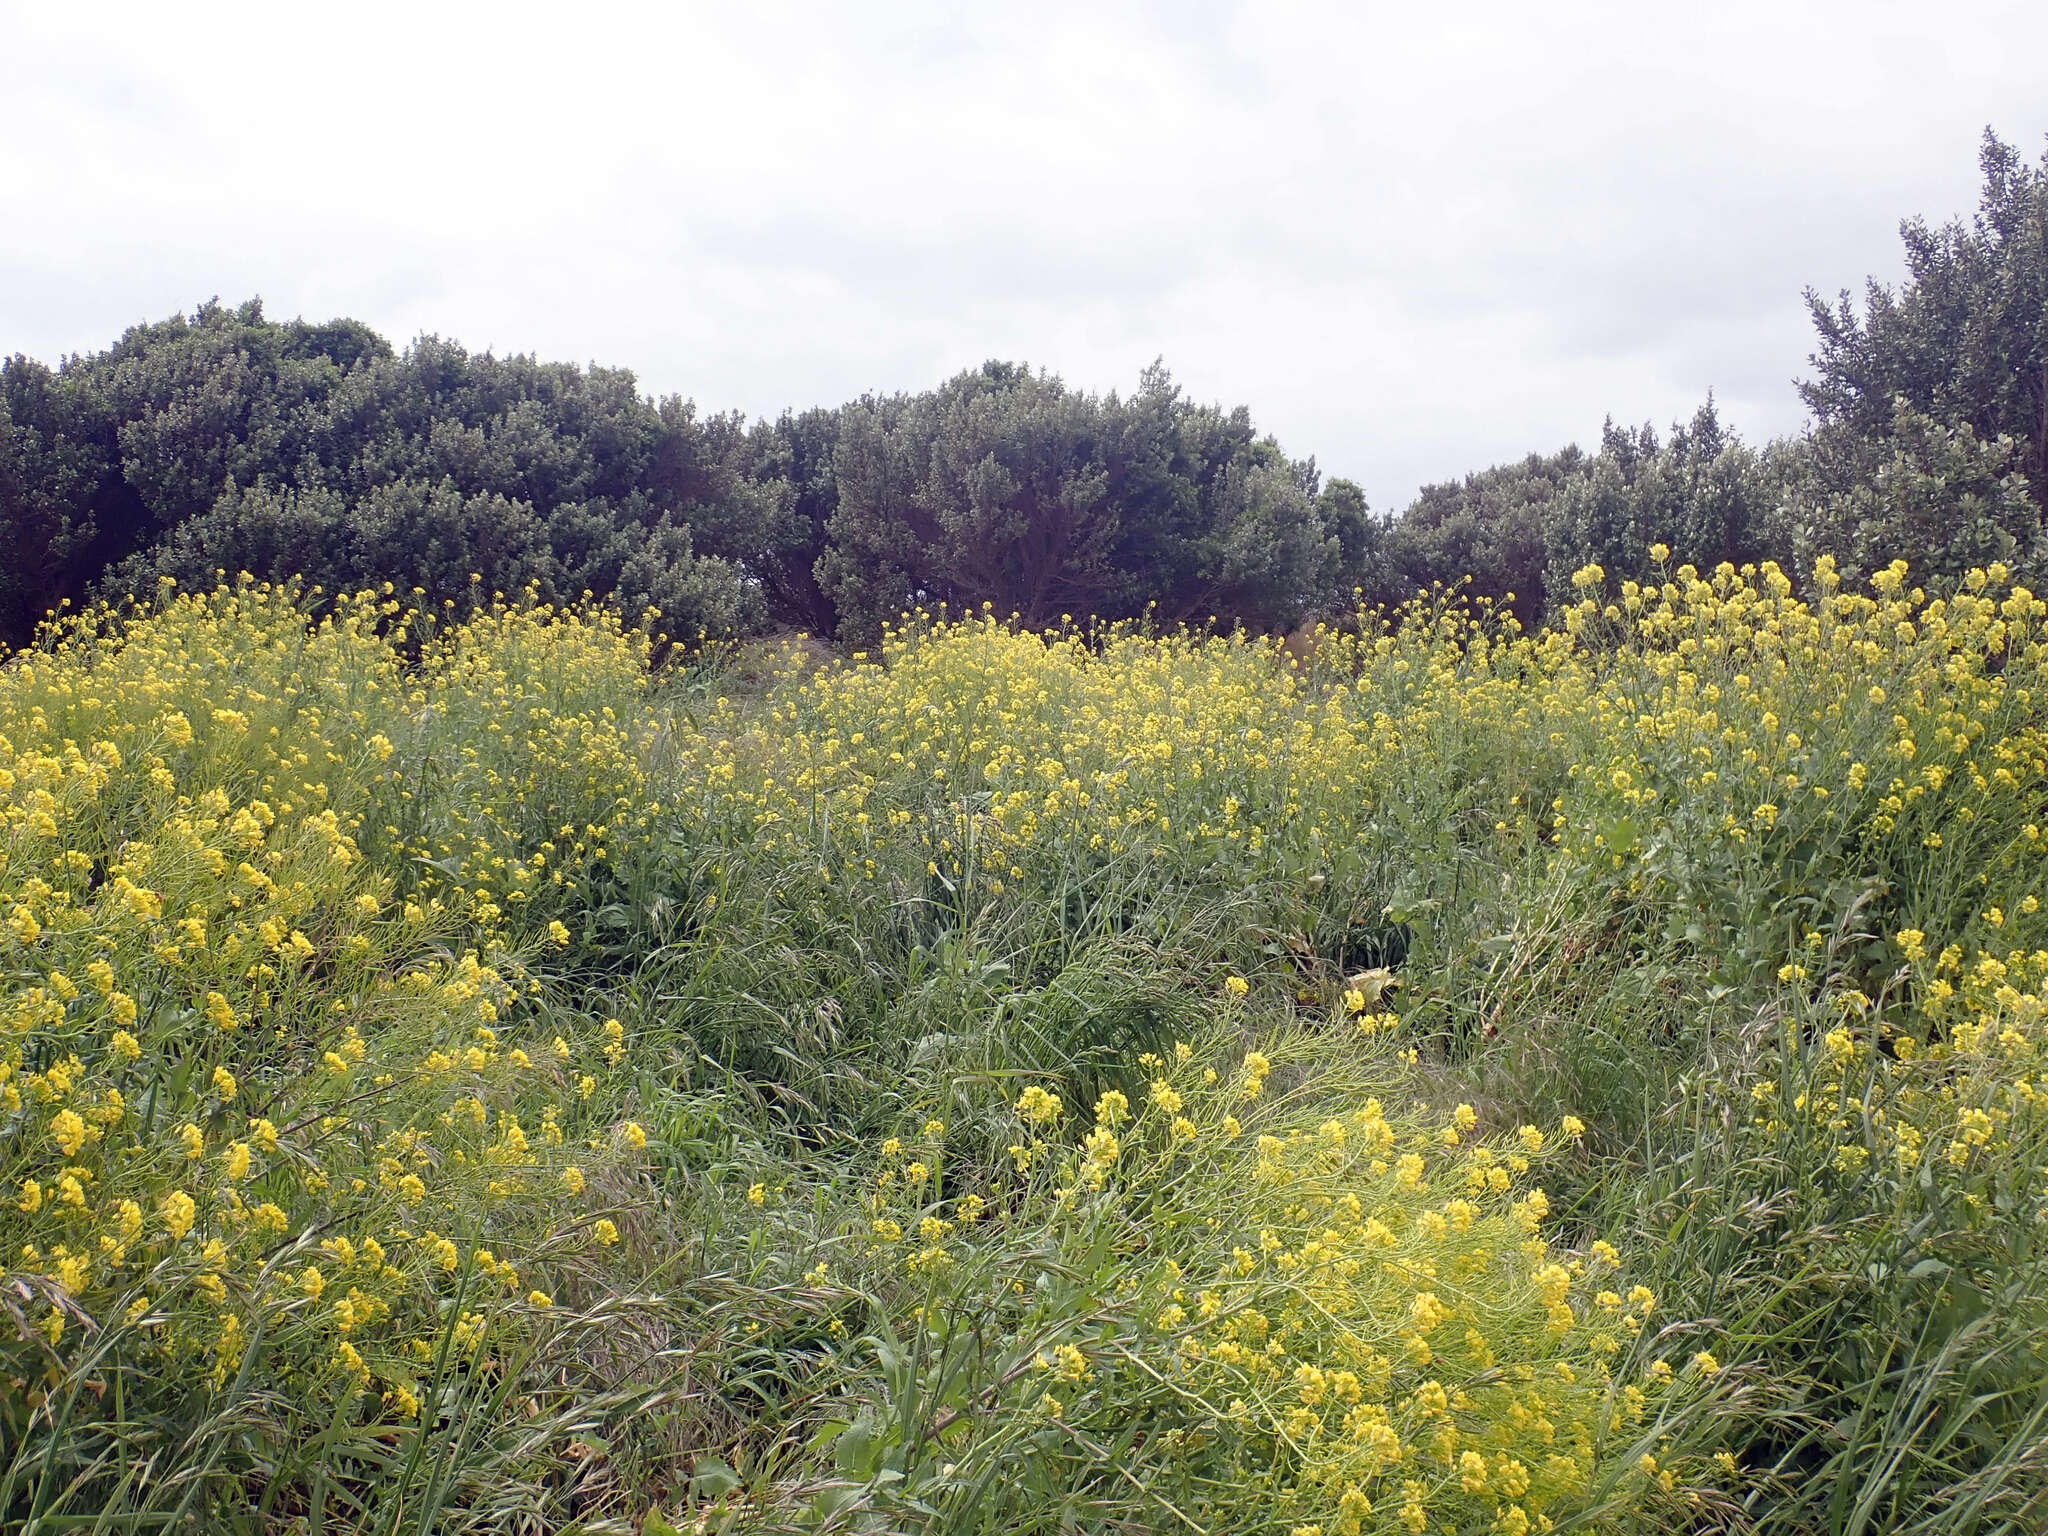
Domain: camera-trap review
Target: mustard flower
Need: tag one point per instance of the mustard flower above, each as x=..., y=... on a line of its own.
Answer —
x=67, y=1130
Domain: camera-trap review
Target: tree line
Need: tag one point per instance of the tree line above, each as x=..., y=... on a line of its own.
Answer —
x=1926, y=440
x=227, y=441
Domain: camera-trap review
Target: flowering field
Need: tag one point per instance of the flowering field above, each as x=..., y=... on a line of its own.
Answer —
x=488, y=1075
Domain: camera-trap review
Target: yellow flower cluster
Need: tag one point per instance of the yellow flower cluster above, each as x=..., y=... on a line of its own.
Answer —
x=1715, y=713
x=1725, y=708
x=1351, y=1295
x=255, y=1079
x=277, y=1061
x=1940, y=1106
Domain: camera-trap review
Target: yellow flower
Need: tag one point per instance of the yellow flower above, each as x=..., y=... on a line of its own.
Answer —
x=68, y=1131
x=352, y=1364
x=179, y=1212
x=1068, y=1364
x=1037, y=1107
x=1236, y=986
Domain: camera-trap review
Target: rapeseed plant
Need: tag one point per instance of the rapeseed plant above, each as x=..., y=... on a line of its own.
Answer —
x=279, y=1077
x=1356, y=1319
x=385, y=1000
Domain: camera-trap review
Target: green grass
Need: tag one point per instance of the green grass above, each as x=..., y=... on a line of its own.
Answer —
x=1778, y=972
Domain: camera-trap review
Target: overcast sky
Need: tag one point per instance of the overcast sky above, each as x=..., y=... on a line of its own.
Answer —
x=1415, y=239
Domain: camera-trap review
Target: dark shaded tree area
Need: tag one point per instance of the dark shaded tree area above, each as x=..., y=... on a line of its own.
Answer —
x=224, y=441
x=227, y=441
x=1004, y=487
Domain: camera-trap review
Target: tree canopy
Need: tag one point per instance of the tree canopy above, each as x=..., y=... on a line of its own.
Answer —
x=224, y=441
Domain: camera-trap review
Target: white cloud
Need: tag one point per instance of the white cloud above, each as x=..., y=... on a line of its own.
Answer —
x=1415, y=242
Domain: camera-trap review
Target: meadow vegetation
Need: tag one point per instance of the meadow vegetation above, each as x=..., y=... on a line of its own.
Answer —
x=503, y=1073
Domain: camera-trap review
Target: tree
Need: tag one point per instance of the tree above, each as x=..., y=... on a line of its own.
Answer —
x=1268, y=559
x=1003, y=487
x=1930, y=492
x=1703, y=494
x=64, y=508
x=1360, y=537
x=224, y=441
x=1489, y=530
x=792, y=460
x=1964, y=342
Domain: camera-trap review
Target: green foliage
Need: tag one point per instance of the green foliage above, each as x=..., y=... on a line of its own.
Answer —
x=1703, y=494
x=436, y=543
x=1486, y=531
x=1005, y=488
x=1965, y=340
x=781, y=1098
x=1924, y=490
x=224, y=442
x=1516, y=533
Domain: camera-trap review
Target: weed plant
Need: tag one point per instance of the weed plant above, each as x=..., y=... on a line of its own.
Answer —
x=465, y=1076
